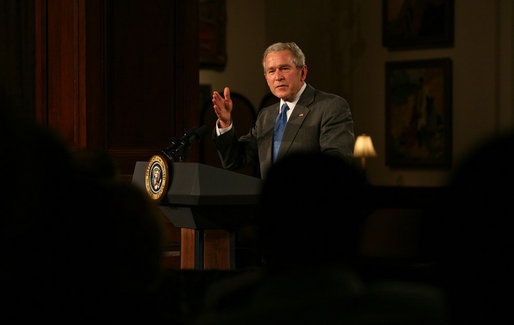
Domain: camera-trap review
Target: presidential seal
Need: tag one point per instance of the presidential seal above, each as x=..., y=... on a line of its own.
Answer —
x=157, y=177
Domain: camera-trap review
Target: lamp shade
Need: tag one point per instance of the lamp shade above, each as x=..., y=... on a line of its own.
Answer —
x=364, y=147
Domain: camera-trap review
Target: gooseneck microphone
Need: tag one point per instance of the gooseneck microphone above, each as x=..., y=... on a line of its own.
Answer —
x=178, y=148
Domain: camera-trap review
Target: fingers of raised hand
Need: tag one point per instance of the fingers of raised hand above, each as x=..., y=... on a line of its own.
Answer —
x=226, y=93
x=217, y=100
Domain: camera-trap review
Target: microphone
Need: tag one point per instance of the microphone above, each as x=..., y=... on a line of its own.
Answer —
x=186, y=141
x=193, y=135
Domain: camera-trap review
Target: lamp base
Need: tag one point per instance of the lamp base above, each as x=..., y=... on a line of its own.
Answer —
x=363, y=163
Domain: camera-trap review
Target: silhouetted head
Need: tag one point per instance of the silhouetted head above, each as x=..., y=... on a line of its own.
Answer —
x=312, y=211
x=477, y=261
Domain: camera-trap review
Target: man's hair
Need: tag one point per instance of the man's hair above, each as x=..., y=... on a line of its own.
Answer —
x=298, y=56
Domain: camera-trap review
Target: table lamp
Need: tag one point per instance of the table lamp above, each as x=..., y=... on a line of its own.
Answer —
x=364, y=148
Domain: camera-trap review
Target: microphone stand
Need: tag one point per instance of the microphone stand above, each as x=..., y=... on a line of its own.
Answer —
x=178, y=150
x=178, y=154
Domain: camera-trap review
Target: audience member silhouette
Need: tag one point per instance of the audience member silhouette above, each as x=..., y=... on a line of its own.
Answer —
x=312, y=212
x=477, y=265
x=76, y=245
x=311, y=217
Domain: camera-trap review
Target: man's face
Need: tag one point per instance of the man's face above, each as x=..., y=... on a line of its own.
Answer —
x=284, y=79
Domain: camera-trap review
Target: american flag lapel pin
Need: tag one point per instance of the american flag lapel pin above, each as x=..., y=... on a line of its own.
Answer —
x=301, y=114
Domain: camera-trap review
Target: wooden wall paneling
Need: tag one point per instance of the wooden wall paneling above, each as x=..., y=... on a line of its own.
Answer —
x=140, y=87
x=40, y=64
x=141, y=83
x=70, y=69
x=96, y=73
x=65, y=67
x=80, y=25
x=121, y=76
x=117, y=75
x=152, y=77
x=17, y=48
x=187, y=70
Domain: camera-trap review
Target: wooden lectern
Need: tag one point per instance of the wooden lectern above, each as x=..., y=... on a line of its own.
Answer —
x=208, y=204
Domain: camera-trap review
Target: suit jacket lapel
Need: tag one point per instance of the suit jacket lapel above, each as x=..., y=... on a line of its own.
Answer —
x=293, y=126
x=267, y=136
x=296, y=119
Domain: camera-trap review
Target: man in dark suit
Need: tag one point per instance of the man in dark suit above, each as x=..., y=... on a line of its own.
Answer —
x=312, y=121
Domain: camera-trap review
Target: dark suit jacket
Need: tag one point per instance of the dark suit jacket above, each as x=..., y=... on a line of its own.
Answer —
x=320, y=122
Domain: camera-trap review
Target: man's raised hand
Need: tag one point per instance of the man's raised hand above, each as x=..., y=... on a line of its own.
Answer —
x=223, y=107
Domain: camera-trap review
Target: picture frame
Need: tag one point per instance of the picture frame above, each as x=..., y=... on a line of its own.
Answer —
x=212, y=34
x=417, y=24
x=418, y=113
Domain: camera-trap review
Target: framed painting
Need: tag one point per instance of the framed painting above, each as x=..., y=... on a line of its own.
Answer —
x=408, y=24
x=418, y=113
x=212, y=29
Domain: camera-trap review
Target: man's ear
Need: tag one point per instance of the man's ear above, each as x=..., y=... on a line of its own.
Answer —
x=304, y=72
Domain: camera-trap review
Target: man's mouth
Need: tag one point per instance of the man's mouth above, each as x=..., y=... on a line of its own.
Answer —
x=281, y=86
